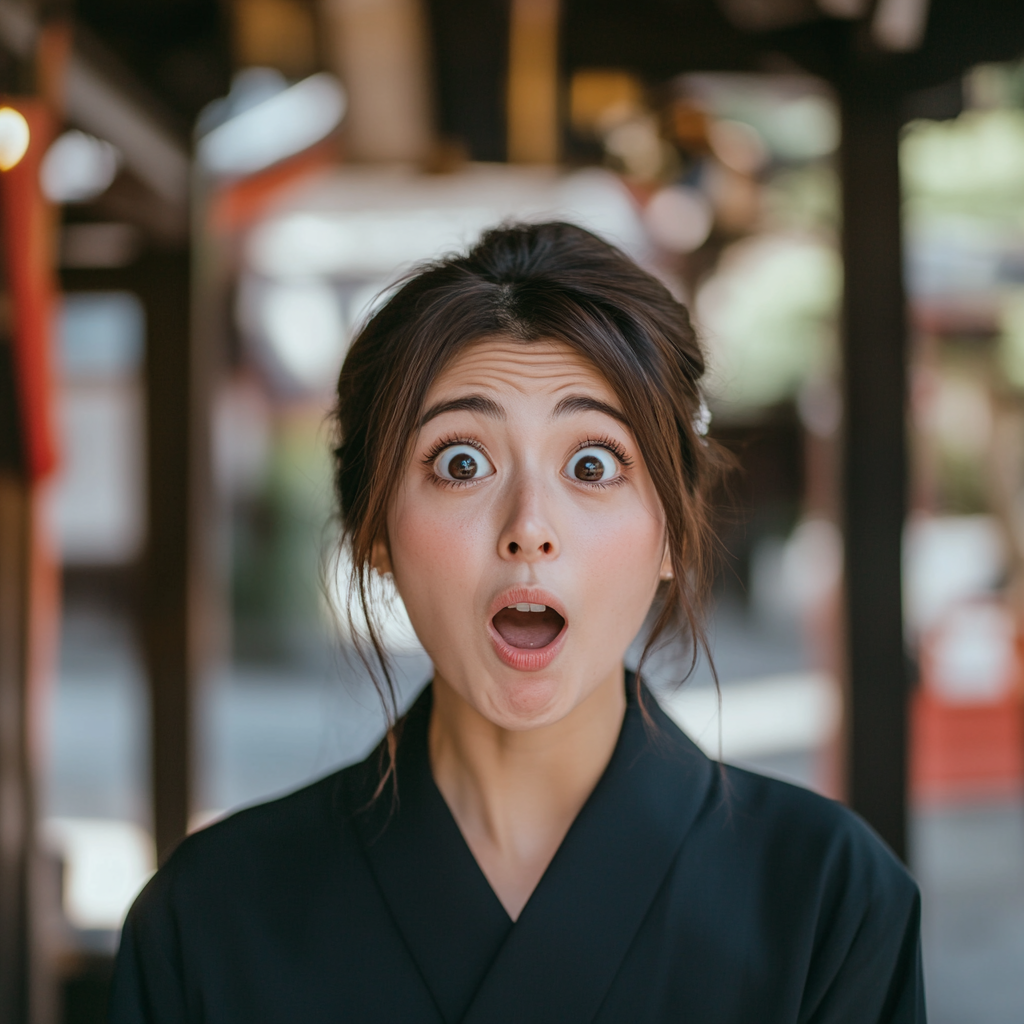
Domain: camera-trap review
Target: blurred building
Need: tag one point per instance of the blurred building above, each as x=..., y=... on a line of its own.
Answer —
x=199, y=204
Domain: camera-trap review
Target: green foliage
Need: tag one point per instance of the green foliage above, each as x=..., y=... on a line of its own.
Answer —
x=769, y=318
x=276, y=558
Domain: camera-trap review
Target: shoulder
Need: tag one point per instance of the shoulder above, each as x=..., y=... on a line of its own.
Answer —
x=256, y=850
x=859, y=909
x=765, y=829
x=781, y=816
x=240, y=893
x=286, y=822
x=777, y=830
x=842, y=911
x=809, y=855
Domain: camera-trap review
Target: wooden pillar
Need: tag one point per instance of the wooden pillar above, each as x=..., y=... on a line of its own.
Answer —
x=874, y=455
x=380, y=50
x=16, y=817
x=15, y=788
x=533, y=129
x=172, y=606
x=169, y=588
x=470, y=45
x=28, y=573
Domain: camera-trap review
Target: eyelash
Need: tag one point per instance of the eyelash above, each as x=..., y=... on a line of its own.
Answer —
x=611, y=445
x=439, y=446
x=446, y=442
x=608, y=443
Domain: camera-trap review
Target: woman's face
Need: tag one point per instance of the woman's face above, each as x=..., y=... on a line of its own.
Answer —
x=526, y=536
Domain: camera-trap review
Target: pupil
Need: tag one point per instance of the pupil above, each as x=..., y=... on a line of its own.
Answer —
x=589, y=468
x=462, y=467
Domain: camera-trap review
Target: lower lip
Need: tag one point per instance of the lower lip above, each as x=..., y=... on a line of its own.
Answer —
x=526, y=659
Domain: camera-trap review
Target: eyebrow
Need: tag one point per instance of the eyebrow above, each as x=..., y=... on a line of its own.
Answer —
x=582, y=403
x=488, y=407
x=468, y=403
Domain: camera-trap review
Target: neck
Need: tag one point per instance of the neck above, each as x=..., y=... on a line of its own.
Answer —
x=514, y=795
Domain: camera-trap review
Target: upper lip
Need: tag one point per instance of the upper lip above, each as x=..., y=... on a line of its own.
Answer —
x=526, y=595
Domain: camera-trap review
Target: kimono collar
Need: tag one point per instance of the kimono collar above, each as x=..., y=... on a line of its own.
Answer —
x=557, y=961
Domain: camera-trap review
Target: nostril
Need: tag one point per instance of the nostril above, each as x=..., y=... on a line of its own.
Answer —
x=513, y=547
x=546, y=547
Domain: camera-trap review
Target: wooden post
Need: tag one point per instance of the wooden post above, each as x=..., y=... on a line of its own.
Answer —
x=176, y=465
x=380, y=50
x=16, y=817
x=533, y=132
x=874, y=471
x=28, y=573
x=169, y=589
x=470, y=49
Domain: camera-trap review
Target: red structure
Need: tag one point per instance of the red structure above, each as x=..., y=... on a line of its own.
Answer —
x=969, y=743
x=29, y=586
x=28, y=239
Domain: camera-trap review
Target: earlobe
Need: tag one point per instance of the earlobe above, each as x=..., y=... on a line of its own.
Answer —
x=380, y=558
x=666, y=566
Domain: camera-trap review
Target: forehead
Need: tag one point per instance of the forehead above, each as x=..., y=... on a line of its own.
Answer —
x=520, y=369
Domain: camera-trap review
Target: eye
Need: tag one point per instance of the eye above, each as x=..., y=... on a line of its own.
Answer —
x=462, y=462
x=592, y=465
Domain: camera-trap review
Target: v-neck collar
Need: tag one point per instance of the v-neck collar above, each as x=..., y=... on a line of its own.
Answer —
x=452, y=921
x=557, y=961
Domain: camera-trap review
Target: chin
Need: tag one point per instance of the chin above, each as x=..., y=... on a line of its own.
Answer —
x=529, y=701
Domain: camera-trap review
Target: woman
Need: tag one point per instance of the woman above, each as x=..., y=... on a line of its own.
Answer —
x=520, y=449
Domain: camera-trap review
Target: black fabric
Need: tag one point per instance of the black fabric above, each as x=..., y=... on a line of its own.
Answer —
x=682, y=892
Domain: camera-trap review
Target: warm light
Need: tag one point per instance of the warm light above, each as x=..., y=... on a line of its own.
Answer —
x=600, y=99
x=14, y=136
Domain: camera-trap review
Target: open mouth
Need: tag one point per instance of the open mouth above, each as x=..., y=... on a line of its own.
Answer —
x=528, y=626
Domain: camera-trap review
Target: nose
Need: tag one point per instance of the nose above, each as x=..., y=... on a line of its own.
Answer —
x=528, y=534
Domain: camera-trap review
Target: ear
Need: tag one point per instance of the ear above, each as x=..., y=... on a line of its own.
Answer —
x=380, y=557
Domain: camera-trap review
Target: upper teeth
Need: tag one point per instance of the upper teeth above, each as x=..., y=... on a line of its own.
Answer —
x=528, y=607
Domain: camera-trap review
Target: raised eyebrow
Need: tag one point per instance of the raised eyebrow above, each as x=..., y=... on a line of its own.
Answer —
x=582, y=403
x=468, y=403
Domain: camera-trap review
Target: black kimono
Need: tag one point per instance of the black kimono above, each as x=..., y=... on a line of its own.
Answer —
x=682, y=892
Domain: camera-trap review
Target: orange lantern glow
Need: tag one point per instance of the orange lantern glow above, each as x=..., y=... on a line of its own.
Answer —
x=14, y=137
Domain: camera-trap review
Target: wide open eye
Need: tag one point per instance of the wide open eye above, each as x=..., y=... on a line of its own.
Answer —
x=462, y=462
x=592, y=466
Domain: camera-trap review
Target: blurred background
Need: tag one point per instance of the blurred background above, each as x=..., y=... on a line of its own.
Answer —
x=200, y=200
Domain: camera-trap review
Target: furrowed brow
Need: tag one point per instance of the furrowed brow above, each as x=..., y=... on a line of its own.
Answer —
x=468, y=403
x=582, y=403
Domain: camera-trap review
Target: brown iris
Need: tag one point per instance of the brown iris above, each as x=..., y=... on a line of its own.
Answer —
x=462, y=466
x=589, y=468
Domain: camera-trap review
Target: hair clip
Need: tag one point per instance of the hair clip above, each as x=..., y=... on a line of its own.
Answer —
x=702, y=421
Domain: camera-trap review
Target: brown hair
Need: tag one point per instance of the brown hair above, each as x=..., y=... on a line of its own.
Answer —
x=529, y=282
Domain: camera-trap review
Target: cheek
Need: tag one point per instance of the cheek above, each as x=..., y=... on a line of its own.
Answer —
x=622, y=549
x=619, y=555
x=433, y=544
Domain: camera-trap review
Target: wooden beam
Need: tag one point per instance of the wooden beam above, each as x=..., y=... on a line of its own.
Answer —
x=874, y=470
